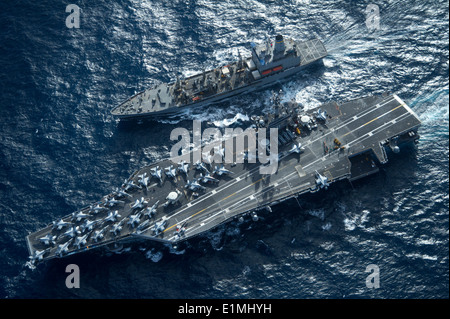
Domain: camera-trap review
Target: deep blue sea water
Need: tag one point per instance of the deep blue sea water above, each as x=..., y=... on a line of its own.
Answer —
x=61, y=150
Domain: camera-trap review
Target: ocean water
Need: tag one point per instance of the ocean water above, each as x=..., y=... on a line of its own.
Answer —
x=61, y=150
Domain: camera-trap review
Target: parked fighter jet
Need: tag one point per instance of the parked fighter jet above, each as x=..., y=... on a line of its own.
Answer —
x=134, y=219
x=321, y=115
x=81, y=240
x=97, y=209
x=296, y=148
x=208, y=178
x=112, y=202
x=77, y=216
x=207, y=158
x=117, y=227
x=120, y=193
x=194, y=186
x=112, y=216
x=183, y=167
x=321, y=181
x=60, y=224
x=38, y=255
x=157, y=173
x=72, y=232
x=200, y=166
x=179, y=230
x=63, y=248
x=143, y=226
x=89, y=224
x=139, y=204
x=48, y=239
x=143, y=180
x=221, y=171
x=150, y=211
x=98, y=234
x=130, y=184
x=160, y=226
x=170, y=172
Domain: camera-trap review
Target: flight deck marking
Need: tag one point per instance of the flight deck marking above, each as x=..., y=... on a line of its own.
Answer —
x=242, y=200
x=237, y=204
x=323, y=158
x=230, y=183
x=329, y=173
x=363, y=137
x=406, y=106
x=224, y=198
x=373, y=120
x=348, y=121
x=292, y=192
x=216, y=203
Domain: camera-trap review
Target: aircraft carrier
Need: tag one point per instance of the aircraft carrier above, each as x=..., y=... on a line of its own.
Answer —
x=269, y=62
x=171, y=201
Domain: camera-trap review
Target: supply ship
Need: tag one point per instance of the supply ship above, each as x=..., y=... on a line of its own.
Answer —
x=173, y=200
x=269, y=62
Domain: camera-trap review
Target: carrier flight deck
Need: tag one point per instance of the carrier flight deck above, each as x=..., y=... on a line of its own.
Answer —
x=174, y=201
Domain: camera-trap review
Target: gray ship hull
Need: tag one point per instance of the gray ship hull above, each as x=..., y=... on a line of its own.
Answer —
x=269, y=64
x=350, y=144
x=254, y=86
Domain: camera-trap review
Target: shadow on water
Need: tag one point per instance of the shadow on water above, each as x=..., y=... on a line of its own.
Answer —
x=134, y=135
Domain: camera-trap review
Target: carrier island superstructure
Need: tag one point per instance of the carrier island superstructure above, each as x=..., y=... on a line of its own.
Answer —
x=269, y=63
x=172, y=202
